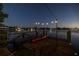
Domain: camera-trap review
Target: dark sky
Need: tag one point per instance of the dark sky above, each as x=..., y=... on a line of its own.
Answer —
x=27, y=14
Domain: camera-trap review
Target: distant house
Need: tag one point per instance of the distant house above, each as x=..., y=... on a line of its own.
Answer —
x=11, y=29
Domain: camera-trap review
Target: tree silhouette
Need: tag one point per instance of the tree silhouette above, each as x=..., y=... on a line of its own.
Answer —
x=2, y=14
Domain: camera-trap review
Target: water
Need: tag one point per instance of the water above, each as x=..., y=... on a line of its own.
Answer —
x=60, y=34
x=63, y=35
x=75, y=41
x=12, y=35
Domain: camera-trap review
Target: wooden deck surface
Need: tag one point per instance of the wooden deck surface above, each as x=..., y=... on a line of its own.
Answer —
x=44, y=47
x=47, y=47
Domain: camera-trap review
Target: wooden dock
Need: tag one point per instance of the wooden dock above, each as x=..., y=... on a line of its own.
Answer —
x=46, y=47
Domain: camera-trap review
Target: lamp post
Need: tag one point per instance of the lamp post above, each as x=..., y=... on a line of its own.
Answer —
x=46, y=28
x=56, y=27
x=36, y=28
x=38, y=25
x=56, y=23
x=52, y=23
x=43, y=28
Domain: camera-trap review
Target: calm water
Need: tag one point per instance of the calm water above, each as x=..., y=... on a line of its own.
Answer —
x=12, y=35
x=61, y=34
x=75, y=40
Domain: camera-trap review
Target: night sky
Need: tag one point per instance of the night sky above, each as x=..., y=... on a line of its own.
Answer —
x=27, y=14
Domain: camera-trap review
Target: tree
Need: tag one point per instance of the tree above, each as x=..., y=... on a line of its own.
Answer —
x=2, y=14
x=3, y=33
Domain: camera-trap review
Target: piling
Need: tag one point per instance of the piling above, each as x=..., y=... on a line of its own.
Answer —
x=69, y=36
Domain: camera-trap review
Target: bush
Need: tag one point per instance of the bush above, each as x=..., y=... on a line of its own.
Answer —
x=3, y=38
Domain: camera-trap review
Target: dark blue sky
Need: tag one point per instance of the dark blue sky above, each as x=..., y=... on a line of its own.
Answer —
x=27, y=14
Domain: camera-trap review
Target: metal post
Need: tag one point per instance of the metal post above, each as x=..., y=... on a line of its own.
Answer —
x=56, y=34
x=69, y=36
x=46, y=28
x=56, y=27
x=43, y=31
x=36, y=32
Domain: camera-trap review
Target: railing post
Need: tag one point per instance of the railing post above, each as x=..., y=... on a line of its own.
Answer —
x=46, y=31
x=36, y=32
x=43, y=31
x=69, y=37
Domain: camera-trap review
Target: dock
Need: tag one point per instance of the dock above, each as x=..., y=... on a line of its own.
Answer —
x=46, y=47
